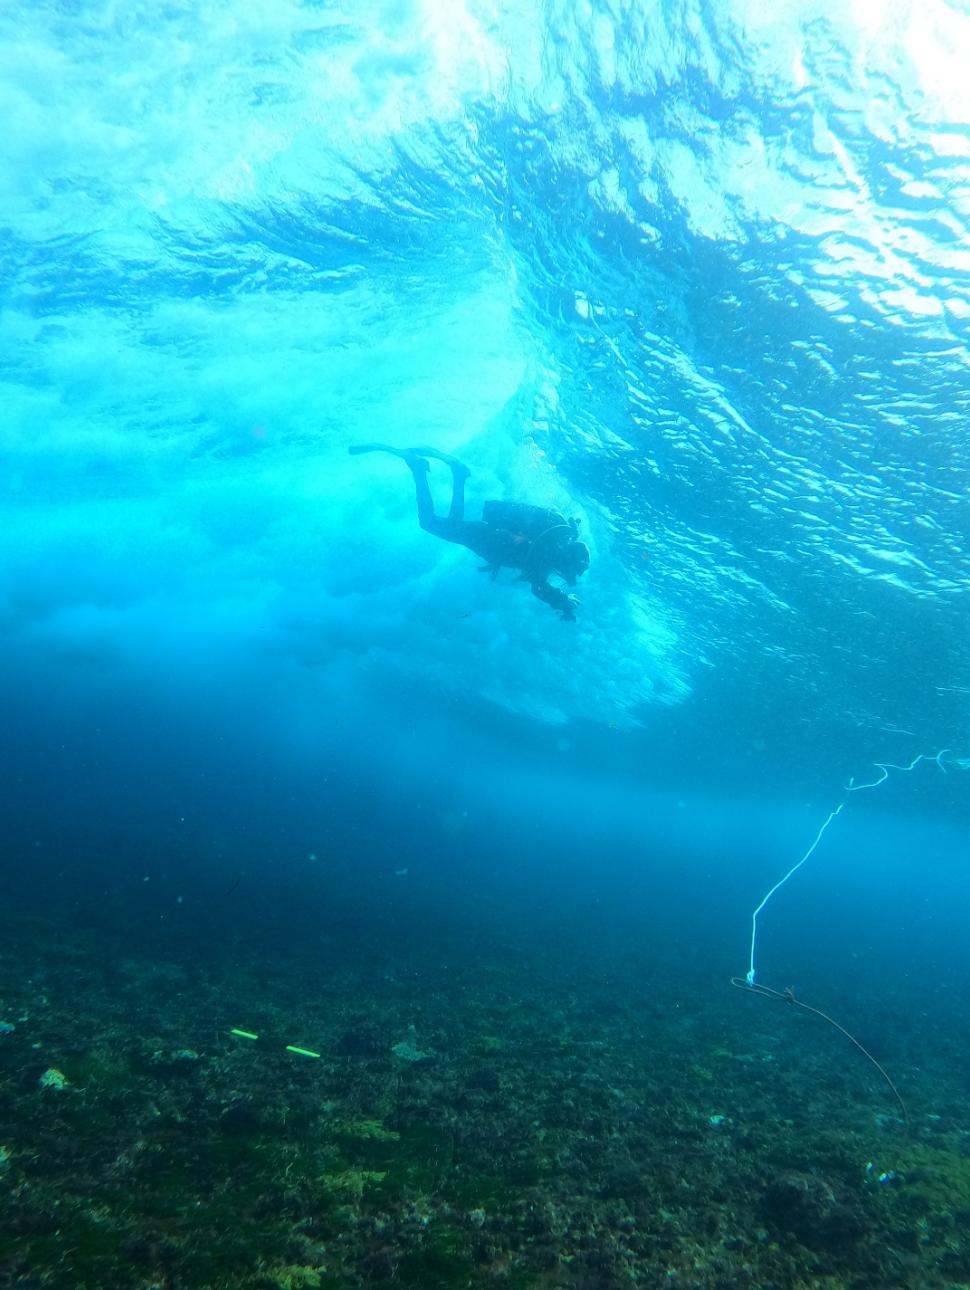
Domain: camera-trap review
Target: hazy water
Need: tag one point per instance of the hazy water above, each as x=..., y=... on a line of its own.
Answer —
x=697, y=274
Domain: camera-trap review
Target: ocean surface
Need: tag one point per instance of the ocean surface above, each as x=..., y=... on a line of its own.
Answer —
x=364, y=922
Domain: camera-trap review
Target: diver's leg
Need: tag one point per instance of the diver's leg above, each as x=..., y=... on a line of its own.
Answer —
x=459, y=473
x=451, y=527
x=416, y=459
x=429, y=521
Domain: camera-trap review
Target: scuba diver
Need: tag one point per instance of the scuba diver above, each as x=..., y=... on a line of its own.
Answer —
x=539, y=543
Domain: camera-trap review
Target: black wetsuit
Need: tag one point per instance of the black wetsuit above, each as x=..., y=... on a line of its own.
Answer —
x=511, y=535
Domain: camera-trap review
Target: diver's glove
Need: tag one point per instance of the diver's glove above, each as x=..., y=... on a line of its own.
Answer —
x=568, y=614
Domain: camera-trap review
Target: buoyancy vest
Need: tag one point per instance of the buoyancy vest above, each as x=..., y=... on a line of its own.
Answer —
x=538, y=531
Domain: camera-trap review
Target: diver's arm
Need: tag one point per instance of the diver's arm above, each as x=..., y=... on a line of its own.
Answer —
x=556, y=598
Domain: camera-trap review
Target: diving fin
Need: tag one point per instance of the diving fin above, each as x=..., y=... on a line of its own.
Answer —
x=409, y=454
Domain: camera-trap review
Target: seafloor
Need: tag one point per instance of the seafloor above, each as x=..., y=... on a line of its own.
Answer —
x=530, y=1100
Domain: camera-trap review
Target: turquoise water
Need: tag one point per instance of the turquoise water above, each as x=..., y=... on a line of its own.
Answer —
x=696, y=275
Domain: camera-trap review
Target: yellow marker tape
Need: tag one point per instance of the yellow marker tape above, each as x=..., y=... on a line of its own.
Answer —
x=304, y=1052
x=243, y=1034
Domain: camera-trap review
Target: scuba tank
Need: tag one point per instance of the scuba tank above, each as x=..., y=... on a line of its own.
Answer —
x=543, y=531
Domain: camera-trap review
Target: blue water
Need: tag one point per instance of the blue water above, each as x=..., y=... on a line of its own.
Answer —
x=696, y=274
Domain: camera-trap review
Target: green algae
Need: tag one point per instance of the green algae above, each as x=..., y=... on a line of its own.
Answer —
x=480, y=1191
x=92, y=1243
x=486, y=1045
x=939, y=1178
x=440, y=1262
x=367, y=1131
x=100, y=1070
x=240, y=1169
x=350, y=1184
x=295, y=1277
x=412, y=1162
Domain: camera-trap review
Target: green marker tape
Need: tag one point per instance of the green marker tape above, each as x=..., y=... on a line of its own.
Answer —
x=304, y=1052
x=243, y=1034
